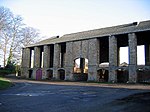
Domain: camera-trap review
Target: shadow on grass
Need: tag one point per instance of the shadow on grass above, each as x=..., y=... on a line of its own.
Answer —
x=4, y=83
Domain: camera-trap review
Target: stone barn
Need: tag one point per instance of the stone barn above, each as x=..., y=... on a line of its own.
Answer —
x=92, y=55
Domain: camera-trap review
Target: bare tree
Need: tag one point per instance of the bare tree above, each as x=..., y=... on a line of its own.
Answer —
x=4, y=45
x=14, y=29
x=5, y=21
x=4, y=18
x=29, y=35
x=14, y=36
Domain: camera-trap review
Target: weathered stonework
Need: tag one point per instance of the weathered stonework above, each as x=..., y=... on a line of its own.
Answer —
x=46, y=62
x=147, y=54
x=26, y=62
x=85, y=49
x=56, y=61
x=90, y=55
x=37, y=61
x=112, y=59
x=37, y=57
x=77, y=49
x=93, y=58
x=132, y=57
x=69, y=61
x=46, y=56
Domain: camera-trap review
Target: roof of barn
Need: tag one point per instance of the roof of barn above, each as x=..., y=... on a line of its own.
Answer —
x=102, y=32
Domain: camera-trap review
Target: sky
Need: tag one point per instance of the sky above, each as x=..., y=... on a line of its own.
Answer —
x=59, y=17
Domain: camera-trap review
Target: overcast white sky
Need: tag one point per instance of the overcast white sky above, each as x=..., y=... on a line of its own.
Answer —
x=59, y=17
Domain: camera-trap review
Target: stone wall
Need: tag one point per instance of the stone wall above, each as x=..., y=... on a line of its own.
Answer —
x=56, y=63
x=112, y=59
x=132, y=57
x=26, y=57
x=69, y=61
x=46, y=61
x=88, y=49
x=93, y=57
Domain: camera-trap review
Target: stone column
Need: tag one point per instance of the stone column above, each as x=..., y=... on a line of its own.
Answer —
x=26, y=61
x=46, y=60
x=37, y=57
x=93, y=59
x=147, y=55
x=46, y=57
x=112, y=59
x=132, y=39
x=23, y=64
x=23, y=58
x=37, y=60
x=56, y=61
x=28, y=57
x=69, y=62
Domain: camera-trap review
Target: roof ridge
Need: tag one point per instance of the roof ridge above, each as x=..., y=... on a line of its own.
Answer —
x=116, y=26
x=51, y=38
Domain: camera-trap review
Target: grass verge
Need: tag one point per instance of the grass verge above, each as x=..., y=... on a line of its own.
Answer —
x=4, y=83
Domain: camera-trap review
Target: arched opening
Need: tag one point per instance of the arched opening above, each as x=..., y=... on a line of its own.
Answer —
x=103, y=75
x=81, y=69
x=49, y=74
x=143, y=75
x=61, y=73
x=30, y=73
x=122, y=75
x=39, y=74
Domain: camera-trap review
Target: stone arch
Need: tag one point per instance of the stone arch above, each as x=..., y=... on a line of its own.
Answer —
x=49, y=74
x=80, y=70
x=122, y=75
x=103, y=75
x=30, y=73
x=61, y=73
x=39, y=74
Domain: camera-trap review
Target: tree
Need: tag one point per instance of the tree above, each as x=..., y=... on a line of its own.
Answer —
x=29, y=35
x=5, y=21
x=14, y=35
x=9, y=36
x=14, y=29
x=4, y=18
x=4, y=44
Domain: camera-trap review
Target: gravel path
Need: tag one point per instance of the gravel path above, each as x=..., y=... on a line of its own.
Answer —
x=46, y=96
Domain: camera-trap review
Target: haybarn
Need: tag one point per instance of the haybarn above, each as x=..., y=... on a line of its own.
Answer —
x=92, y=55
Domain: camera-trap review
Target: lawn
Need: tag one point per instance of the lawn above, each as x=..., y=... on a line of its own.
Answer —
x=4, y=83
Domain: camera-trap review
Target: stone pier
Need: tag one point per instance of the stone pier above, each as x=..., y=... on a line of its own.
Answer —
x=69, y=61
x=93, y=58
x=147, y=54
x=46, y=60
x=132, y=39
x=56, y=61
x=37, y=60
x=26, y=62
x=112, y=59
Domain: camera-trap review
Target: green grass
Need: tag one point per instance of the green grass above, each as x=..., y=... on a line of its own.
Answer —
x=4, y=83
